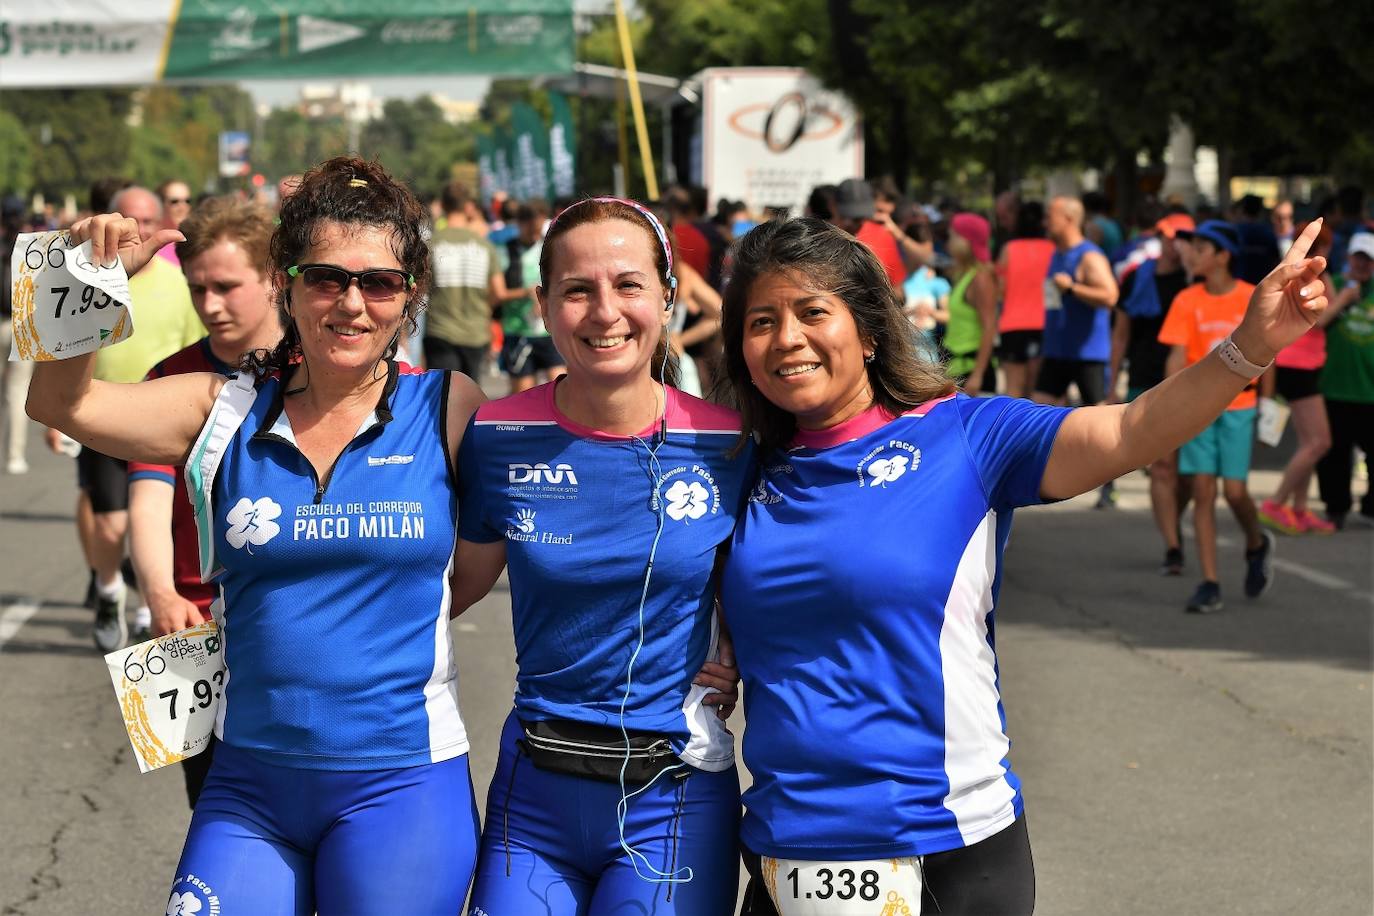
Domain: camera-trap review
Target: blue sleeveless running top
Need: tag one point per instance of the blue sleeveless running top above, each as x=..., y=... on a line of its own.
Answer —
x=1073, y=329
x=334, y=595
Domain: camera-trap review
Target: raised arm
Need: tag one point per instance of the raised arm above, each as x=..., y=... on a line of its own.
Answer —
x=154, y=421
x=1097, y=444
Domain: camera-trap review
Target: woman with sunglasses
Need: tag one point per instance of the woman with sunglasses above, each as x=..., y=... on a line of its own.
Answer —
x=608, y=491
x=326, y=498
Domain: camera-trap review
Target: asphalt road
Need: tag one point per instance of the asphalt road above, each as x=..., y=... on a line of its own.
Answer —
x=1173, y=764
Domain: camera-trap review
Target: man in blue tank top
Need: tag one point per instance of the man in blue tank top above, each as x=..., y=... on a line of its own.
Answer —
x=1079, y=294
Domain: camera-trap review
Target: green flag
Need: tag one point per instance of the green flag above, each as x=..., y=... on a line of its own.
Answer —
x=562, y=148
x=531, y=152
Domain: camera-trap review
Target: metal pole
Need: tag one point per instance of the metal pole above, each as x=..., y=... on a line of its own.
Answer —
x=627, y=52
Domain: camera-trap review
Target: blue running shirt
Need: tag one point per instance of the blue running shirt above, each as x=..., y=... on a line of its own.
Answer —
x=334, y=596
x=578, y=509
x=860, y=590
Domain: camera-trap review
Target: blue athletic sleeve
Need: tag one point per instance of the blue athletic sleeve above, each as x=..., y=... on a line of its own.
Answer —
x=1009, y=440
x=472, y=524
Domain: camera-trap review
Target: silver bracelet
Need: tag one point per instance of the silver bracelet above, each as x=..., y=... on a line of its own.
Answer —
x=1235, y=360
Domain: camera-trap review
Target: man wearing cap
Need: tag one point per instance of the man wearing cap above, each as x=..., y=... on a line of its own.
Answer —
x=853, y=212
x=1201, y=319
x=1146, y=292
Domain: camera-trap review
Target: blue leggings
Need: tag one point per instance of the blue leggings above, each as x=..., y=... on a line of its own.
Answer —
x=268, y=840
x=552, y=844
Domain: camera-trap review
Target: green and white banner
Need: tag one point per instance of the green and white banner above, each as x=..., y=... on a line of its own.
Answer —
x=531, y=151
x=120, y=42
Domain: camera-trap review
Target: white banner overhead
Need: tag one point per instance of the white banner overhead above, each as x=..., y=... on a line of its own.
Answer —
x=771, y=134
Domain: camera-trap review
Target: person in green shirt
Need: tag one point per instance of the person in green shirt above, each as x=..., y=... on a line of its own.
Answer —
x=527, y=349
x=1347, y=382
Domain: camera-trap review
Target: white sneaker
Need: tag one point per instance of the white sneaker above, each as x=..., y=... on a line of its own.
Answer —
x=16, y=466
x=111, y=631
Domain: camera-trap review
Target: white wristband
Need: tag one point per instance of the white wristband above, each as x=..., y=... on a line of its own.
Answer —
x=1235, y=360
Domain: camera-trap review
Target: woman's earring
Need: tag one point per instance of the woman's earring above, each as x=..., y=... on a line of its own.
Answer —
x=868, y=357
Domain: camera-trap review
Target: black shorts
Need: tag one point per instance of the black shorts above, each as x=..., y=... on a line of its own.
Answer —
x=994, y=875
x=1296, y=384
x=524, y=356
x=1056, y=375
x=1019, y=346
x=471, y=361
x=105, y=480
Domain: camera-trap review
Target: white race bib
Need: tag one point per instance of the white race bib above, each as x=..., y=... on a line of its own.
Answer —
x=65, y=305
x=1054, y=299
x=881, y=887
x=169, y=692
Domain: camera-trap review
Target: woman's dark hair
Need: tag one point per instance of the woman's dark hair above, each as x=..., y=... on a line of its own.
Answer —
x=354, y=192
x=819, y=256
x=600, y=210
x=1030, y=220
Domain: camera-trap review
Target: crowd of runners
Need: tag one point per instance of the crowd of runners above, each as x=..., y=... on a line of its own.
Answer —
x=741, y=365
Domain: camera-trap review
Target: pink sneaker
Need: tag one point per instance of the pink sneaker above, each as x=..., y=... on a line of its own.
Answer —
x=1279, y=517
x=1313, y=524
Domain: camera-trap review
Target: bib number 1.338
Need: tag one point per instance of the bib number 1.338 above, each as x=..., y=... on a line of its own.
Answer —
x=881, y=887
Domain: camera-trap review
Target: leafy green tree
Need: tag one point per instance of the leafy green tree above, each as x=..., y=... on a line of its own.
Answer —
x=77, y=135
x=16, y=155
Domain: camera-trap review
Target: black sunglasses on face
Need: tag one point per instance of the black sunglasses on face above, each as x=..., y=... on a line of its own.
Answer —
x=332, y=280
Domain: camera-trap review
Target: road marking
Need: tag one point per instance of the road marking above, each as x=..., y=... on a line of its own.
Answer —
x=14, y=616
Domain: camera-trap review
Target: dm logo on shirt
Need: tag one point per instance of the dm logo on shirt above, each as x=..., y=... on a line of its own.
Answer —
x=540, y=481
x=691, y=494
x=251, y=523
x=887, y=463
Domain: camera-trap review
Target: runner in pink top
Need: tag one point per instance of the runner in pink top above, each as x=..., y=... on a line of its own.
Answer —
x=1297, y=371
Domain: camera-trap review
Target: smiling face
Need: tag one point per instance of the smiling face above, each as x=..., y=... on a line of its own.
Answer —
x=233, y=300
x=804, y=352
x=345, y=331
x=603, y=301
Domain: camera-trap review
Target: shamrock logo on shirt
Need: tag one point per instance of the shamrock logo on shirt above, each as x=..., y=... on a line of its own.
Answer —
x=185, y=904
x=250, y=522
x=885, y=470
x=687, y=500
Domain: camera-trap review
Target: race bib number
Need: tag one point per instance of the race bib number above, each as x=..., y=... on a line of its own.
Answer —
x=65, y=304
x=1054, y=299
x=882, y=887
x=169, y=692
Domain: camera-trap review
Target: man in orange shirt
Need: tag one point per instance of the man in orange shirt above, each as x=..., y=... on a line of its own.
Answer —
x=1200, y=319
x=853, y=211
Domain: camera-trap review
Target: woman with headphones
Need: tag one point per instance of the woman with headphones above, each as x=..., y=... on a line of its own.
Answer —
x=606, y=493
x=324, y=489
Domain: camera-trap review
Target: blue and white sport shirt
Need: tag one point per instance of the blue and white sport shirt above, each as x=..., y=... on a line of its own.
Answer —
x=334, y=596
x=860, y=591
x=578, y=510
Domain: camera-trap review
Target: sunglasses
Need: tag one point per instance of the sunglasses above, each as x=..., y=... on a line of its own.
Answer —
x=331, y=280
x=178, y=200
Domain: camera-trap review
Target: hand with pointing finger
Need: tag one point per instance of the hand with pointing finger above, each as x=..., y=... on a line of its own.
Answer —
x=1286, y=303
x=114, y=235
